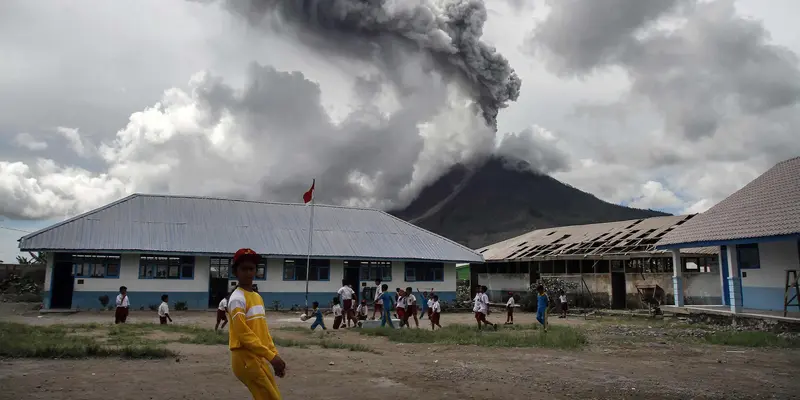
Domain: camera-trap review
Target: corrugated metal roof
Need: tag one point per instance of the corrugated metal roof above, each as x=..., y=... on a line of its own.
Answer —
x=767, y=206
x=633, y=238
x=201, y=225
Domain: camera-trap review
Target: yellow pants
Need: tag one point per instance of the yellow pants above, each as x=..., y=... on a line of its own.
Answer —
x=256, y=374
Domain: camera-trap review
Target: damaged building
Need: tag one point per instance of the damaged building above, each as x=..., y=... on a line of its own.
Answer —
x=609, y=263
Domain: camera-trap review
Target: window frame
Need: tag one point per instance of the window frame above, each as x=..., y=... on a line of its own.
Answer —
x=371, y=268
x=315, y=263
x=748, y=246
x=89, y=261
x=230, y=276
x=416, y=266
x=165, y=264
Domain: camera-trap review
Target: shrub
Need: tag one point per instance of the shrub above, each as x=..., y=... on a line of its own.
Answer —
x=181, y=306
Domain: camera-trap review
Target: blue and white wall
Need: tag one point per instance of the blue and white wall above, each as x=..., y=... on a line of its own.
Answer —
x=763, y=288
x=195, y=292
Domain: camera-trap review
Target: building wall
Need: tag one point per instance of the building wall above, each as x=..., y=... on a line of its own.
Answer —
x=763, y=288
x=500, y=284
x=195, y=292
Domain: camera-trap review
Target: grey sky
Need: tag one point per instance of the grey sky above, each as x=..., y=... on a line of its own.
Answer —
x=182, y=97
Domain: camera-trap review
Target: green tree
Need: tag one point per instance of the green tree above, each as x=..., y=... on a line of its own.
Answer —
x=22, y=260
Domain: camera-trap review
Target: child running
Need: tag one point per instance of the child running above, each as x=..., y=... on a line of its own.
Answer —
x=436, y=312
x=123, y=303
x=400, y=307
x=317, y=313
x=163, y=310
x=425, y=303
x=337, y=313
x=411, y=307
x=249, y=337
x=481, y=308
x=222, y=315
x=378, y=303
x=541, y=306
x=386, y=316
x=510, y=309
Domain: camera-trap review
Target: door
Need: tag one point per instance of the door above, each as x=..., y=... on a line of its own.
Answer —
x=62, y=283
x=723, y=266
x=218, y=289
x=618, y=291
x=351, y=277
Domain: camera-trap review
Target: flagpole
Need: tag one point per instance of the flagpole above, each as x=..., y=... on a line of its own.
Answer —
x=310, y=239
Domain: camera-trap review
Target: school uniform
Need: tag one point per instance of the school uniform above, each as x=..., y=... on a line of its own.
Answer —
x=222, y=314
x=163, y=310
x=564, y=303
x=379, y=300
x=121, y=312
x=401, y=307
x=429, y=304
x=361, y=312
x=480, y=308
x=436, y=312
x=411, y=305
x=346, y=294
x=337, y=316
x=510, y=306
x=251, y=343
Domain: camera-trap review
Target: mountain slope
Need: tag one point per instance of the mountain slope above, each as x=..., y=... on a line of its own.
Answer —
x=501, y=199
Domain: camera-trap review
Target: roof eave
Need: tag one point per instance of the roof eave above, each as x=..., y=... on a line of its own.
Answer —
x=727, y=242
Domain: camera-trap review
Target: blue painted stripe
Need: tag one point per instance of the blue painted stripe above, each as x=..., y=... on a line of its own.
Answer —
x=716, y=243
x=763, y=298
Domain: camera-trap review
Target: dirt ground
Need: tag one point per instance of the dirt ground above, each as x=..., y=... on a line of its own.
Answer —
x=611, y=366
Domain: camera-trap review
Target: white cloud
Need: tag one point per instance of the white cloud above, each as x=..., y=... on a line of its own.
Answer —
x=655, y=196
x=74, y=138
x=26, y=140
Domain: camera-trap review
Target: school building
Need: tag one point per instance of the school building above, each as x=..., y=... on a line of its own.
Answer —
x=182, y=246
x=609, y=265
x=757, y=234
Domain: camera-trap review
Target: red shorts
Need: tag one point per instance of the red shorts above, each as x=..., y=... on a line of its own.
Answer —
x=429, y=312
x=221, y=315
x=411, y=310
x=378, y=307
x=479, y=316
x=401, y=313
x=347, y=305
x=435, y=318
x=120, y=315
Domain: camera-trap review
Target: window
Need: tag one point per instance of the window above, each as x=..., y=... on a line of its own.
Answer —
x=295, y=270
x=424, y=272
x=372, y=270
x=748, y=256
x=166, y=267
x=221, y=268
x=95, y=265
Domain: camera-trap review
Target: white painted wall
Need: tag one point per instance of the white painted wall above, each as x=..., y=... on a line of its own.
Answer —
x=129, y=276
x=775, y=258
x=48, y=274
x=275, y=282
x=506, y=282
x=705, y=284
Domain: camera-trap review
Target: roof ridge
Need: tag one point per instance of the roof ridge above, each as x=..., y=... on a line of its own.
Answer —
x=432, y=233
x=278, y=203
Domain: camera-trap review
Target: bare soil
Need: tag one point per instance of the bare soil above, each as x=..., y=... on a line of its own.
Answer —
x=612, y=366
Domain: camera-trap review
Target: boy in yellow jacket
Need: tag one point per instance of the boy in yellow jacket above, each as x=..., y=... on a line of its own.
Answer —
x=250, y=341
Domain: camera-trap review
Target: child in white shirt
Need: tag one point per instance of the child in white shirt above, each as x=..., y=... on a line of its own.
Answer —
x=510, y=309
x=337, y=313
x=436, y=311
x=163, y=310
x=123, y=303
x=411, y=307
x=362, y=310
x=222, y=314
x=562, y=297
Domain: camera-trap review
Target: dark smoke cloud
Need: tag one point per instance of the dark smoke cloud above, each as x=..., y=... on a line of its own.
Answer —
x=385, y=30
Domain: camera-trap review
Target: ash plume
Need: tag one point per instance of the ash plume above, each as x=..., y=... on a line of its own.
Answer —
x=449, y=32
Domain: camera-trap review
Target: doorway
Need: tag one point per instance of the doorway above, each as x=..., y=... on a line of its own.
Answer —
x=351, y=277
x=217, y=290
x=62, y=283
x=618, y=291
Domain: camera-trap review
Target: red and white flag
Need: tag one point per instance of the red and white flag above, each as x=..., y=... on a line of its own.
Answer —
x=309, y=195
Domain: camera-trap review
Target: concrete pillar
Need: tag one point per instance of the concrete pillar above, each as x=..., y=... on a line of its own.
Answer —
x=677, y=278
x=734, y=282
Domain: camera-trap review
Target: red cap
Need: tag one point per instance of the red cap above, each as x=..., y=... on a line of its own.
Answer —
x=246, y=254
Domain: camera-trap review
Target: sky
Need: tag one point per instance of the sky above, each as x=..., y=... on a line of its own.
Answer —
x=662, y=104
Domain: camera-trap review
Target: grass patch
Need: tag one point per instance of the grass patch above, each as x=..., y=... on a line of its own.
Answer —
x=295, y=329
x=281, y=342
x=558, y=337
x=207, y=337
x=751, y=339
x=26, y=341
